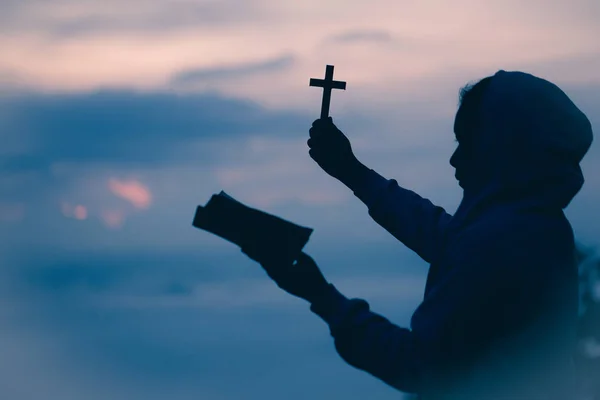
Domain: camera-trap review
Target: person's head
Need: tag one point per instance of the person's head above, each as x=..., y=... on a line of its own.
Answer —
x=520, y=134
x=466, y=124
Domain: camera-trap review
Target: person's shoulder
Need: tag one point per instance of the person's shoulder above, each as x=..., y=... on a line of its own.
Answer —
x=538, y=230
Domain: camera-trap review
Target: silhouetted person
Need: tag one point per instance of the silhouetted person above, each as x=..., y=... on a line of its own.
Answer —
x=499, y=314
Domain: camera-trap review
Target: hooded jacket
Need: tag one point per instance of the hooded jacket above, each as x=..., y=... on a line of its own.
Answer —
x=499, y=312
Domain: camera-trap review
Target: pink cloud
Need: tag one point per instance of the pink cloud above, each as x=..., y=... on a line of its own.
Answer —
x=427, y=39
x=78, y=212
x=132, y=190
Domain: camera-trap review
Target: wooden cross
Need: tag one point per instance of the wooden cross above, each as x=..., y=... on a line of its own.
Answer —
x=327, y=84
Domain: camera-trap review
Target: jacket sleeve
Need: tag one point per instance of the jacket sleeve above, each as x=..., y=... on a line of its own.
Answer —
x=370, y=342
x=490, y=290
x=410, y=218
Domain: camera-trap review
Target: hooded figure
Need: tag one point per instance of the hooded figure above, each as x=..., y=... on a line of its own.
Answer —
x=500, y=307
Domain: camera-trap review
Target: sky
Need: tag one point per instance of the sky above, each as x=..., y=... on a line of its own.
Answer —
x=118, y=118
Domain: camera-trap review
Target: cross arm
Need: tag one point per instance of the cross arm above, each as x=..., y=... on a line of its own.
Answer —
x=331, y=84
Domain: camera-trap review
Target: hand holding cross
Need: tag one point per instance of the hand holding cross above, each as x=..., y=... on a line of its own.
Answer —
x=327, y=84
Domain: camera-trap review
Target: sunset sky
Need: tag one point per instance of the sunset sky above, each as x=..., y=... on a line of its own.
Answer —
x=118, y=118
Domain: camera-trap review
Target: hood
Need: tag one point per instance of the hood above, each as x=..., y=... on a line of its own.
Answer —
x=528, y=150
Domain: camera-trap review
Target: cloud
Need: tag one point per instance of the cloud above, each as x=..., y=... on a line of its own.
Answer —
x=131, y=190
x=377, y=36
x=74, y=211
x=429, y=42
x=80, y=148
x=71, y=18
x=123, y=127
x=195, y=76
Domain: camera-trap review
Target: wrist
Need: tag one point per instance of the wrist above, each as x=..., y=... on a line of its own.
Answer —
x=320, y=294
x=331, y=305
x=354, y=174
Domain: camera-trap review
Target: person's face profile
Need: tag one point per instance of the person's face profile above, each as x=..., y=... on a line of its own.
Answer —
x=460, y=156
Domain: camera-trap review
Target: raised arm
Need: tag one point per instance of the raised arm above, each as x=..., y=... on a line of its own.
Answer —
x=410, y=218
x=413, y=220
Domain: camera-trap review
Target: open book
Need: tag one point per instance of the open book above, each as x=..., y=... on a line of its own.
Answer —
x=260, y=235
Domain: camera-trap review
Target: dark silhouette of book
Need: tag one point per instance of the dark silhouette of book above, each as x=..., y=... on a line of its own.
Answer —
x=258, y=233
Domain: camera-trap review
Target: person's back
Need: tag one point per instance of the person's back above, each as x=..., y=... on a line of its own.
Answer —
x=509, y=327
x=499, y=313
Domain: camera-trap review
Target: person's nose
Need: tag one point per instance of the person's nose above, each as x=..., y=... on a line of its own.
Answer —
x=454, y=158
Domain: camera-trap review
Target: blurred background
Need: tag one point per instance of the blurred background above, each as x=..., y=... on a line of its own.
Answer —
x=118, y=118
